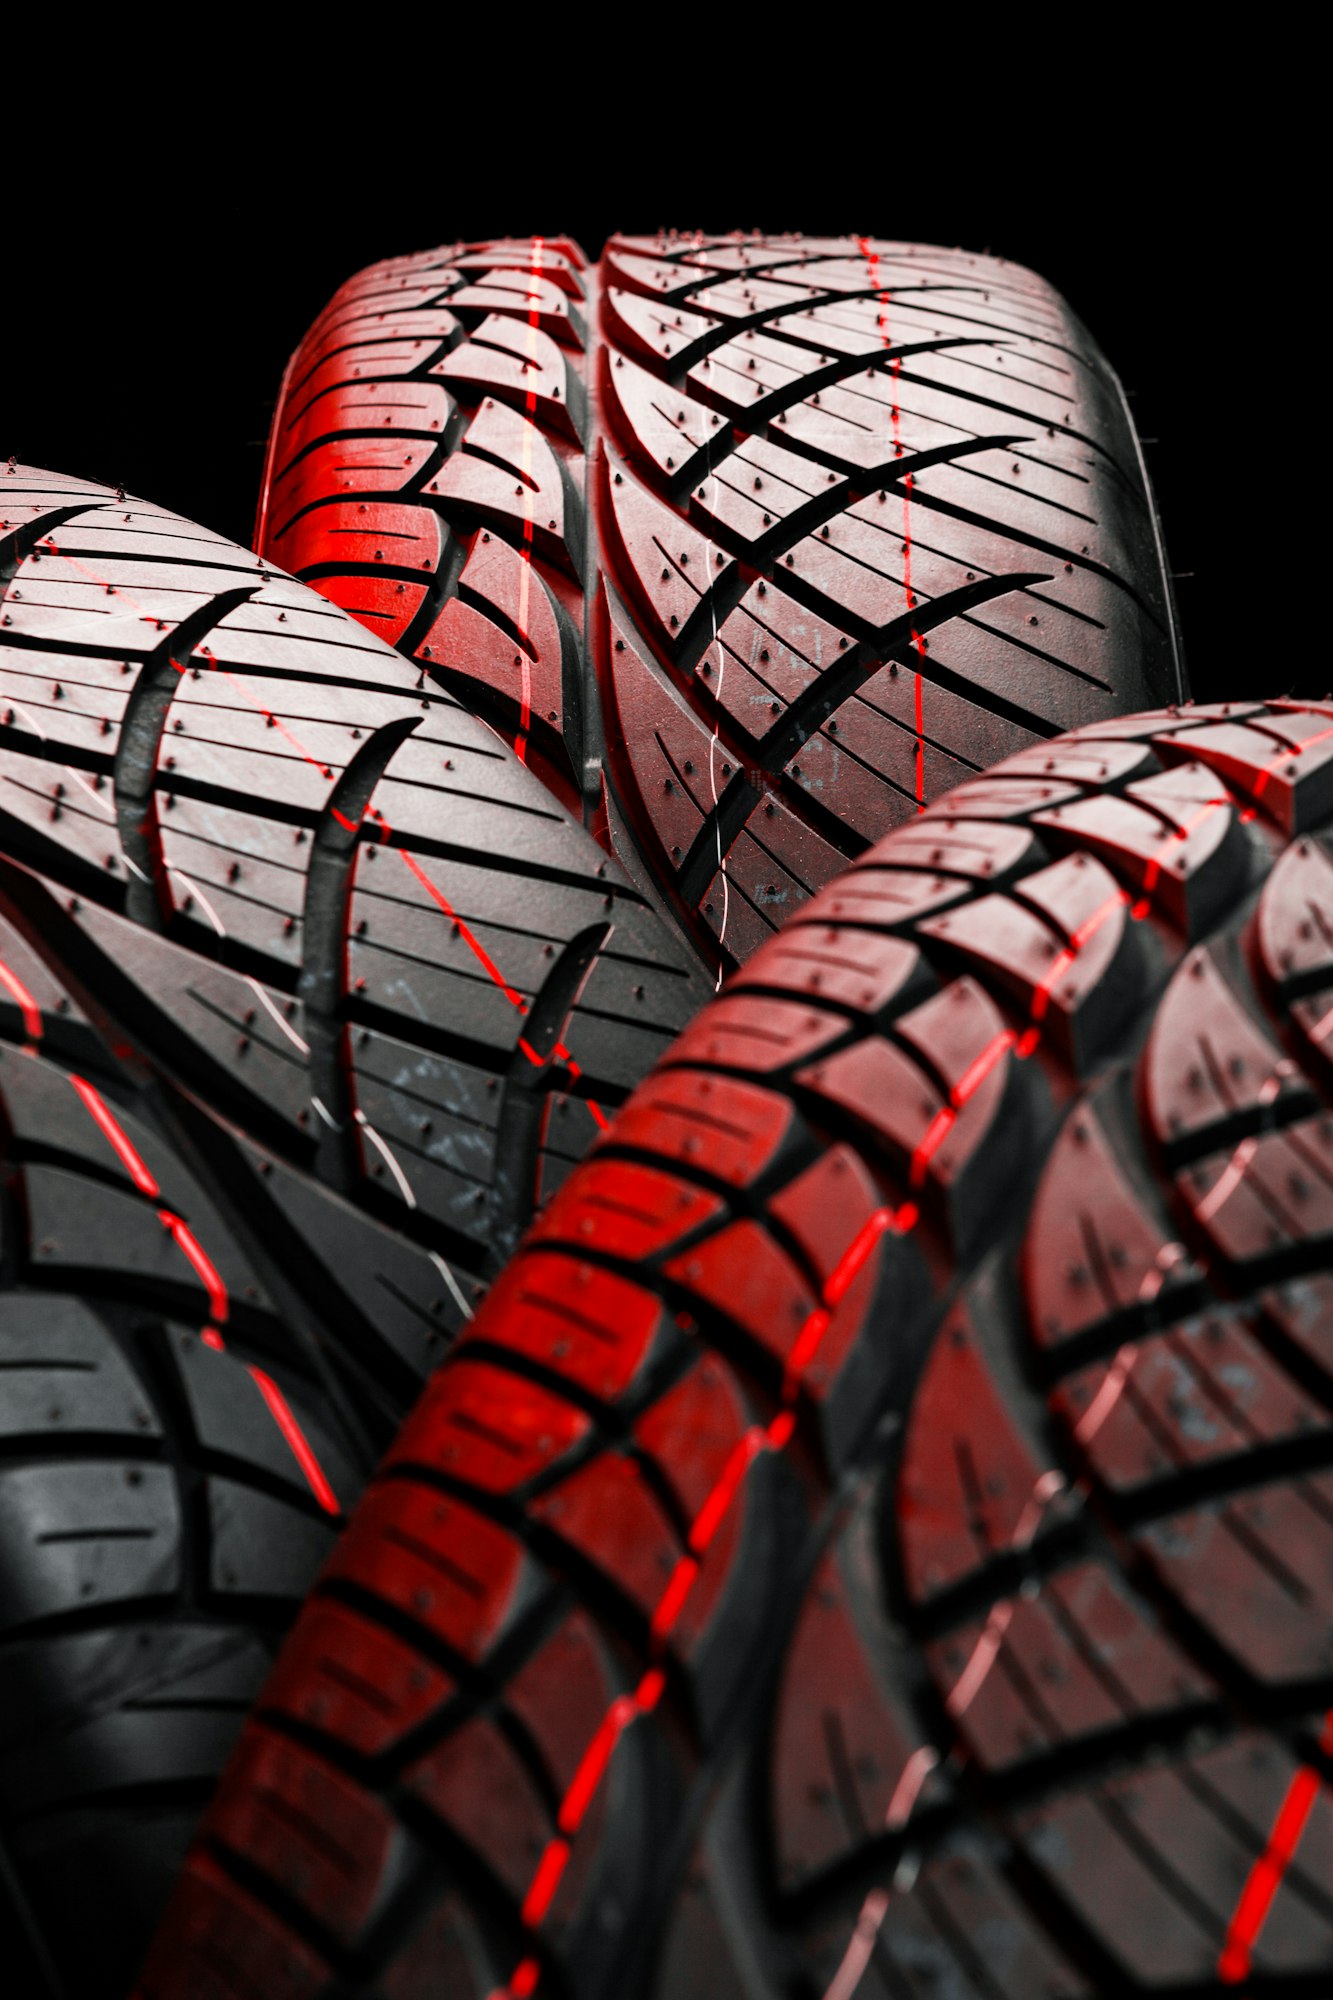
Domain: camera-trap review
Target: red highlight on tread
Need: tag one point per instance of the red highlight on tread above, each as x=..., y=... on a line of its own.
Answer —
x=584, y=1783
x=884, y=298
x=206, y=1270
x=295, y=1438
x=200, y=1262
x=525, y=1978
x=709, y=1517
x=1265, y=1878
x=473, y=943
x=673, y=1598
x=116, y=1137
x=944, y=1120
x=23, y=1000
x=545, y=1882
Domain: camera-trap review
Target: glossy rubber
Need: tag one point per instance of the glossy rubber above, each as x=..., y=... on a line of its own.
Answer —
x=309, y=994
x=877, y=1536
x=750, y=545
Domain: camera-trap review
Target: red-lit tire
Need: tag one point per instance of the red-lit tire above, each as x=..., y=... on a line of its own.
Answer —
x=877, y=1536
x=749, y=543
x=229, y=1254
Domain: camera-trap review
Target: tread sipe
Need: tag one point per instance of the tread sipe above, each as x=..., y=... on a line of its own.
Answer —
x=750, y=545
x=877, y=1537
x=309, y=994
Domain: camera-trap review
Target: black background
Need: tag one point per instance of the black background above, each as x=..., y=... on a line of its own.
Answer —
x=152, y=315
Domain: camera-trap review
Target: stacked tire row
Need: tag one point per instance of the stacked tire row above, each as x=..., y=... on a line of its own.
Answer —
x=313, y=994
x=749, y=546
x=876, y=1536
x=793, y=1581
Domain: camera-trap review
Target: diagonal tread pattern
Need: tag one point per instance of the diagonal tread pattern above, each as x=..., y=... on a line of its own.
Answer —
x=730, y=531
x=925, y=1394
x=310, y=994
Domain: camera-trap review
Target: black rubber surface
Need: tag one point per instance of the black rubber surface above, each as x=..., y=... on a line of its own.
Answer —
x=309, y=993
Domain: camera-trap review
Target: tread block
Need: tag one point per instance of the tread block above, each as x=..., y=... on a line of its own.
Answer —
x=776, y=1303
x=412, y=1300
x=81, y=1226
x=171, y=1701
x=34, y=1005
x=1313, y=1019
x=495, y=1430
x=1255, y=1572
x=970, y=1487
x=988, y=851
x=347, y=533
x=1103, y=1256
x=768, y=871
x=1039, y=1674
x=72, y=1538
x=562, y=1694
x=385, y=605
x=712, y=1625
x=1208, y=1067
x=520, y=365
x=1207, y=1390
x=607, y=1512
x=833, y=967
x=43, y=812
x=837, y=1214
x=1182, y=848
x=476, y=1784
x=351, y=465
x=660, y=736
x=231, y=1417
x=757, y=1032
x=958, y=1928
x=878, y=903
x=846, y=1754
x=735, y=1131
x=1302, y=1313
x=1293, y=928
x=1268, y=1197
x=447, y=1949
x=1283, y=763
x=657, y=426
x=556, y=266
x=949, y=1114
x=360, y=1685
x=402, y=409
x=64, y=1373
x=1083, y=759
x=468, y=647
x=655, y=332
x=599, y=1331
x=506, y=474
x=260, y=1546
x=1180, y=1851
x=630, y=1210
x=235, y=1946
x=1090, y=1864
x=528, y=296
x=669, y=566
x=468, y=1599
x=319, y=1837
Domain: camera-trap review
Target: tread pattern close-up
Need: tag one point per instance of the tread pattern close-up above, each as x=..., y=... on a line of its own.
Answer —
x=310, y=995
x=750, y=545
x=876, y=1538
x=167, y=1489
